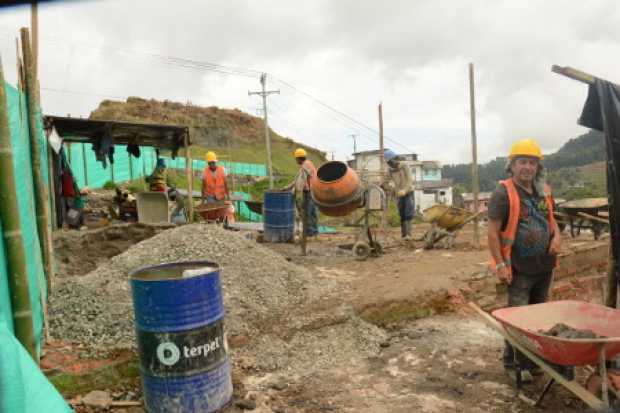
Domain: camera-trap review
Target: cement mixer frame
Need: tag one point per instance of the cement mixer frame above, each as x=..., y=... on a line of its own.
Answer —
x=338, y=192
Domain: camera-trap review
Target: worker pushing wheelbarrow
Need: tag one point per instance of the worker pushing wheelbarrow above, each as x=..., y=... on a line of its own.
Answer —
x=216, y=205
x=445, y=222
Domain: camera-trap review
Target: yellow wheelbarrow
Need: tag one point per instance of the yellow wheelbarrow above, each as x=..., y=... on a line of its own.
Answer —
x=445, y=222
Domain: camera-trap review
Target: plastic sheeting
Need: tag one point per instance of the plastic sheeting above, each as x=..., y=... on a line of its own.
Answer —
x=18, y=124
x=602, y=112
x=23, y=388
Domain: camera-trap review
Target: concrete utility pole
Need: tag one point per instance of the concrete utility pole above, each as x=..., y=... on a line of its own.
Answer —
x=354, y=136
x=474, y=153
x=264, y=93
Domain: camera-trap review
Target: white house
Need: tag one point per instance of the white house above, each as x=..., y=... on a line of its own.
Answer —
x=428, y=185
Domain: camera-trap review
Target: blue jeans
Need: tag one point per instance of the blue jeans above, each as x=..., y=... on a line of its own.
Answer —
x=311, y=216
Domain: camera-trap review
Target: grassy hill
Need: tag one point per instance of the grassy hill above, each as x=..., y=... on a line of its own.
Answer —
x=576, y=170
x=232, y=134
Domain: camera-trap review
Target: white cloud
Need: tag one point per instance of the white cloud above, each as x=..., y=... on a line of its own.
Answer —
x=412, y=56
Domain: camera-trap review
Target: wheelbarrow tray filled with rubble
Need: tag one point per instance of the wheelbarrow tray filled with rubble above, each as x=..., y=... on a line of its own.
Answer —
x=527, y=329
x=526, y=324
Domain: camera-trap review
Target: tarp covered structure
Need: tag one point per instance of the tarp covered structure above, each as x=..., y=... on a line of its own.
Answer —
x=602, y=112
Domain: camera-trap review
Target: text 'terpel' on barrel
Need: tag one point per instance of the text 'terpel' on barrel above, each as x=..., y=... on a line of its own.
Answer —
x=337, y=191
x=279, y=216
x=179, y=314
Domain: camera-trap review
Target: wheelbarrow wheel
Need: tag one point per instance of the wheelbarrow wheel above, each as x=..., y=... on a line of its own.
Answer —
x=361, y=250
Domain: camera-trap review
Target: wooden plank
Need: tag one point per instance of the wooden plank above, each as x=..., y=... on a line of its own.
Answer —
x=574, y=74
x=578, y=390
x=593, y=218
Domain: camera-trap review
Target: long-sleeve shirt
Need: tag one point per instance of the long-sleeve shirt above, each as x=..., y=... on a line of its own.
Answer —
x=401, y=176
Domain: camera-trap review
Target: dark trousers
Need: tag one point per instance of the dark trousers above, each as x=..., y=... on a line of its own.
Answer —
x=311, y=217
x=405, y=212
x=524, y=290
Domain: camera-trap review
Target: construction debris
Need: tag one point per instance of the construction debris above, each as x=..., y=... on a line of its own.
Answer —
x=276, y=307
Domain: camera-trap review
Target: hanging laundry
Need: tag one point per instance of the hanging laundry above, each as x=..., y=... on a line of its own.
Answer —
x=134, y=150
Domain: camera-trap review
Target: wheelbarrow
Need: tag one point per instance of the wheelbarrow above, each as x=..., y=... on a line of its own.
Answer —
x=587, y=213
x=445, y=221
x=522, y=327
x=214, y=211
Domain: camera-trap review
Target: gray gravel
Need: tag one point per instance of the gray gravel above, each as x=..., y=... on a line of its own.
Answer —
x=278, y=305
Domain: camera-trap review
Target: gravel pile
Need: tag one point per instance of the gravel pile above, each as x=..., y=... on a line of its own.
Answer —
x=268, y=299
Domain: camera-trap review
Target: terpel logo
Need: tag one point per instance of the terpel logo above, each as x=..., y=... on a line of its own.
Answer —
x=168, y=353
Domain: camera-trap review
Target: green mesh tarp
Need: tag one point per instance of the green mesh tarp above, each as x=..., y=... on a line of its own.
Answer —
x=23, y=388
x=88, y=171
x=18, y=123
x=236, y=168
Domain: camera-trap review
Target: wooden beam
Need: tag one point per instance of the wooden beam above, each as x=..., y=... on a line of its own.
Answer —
x=578, y=390
x=574, y=74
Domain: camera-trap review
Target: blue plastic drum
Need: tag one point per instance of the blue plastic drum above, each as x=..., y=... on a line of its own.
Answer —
x=182, y=347
x=279, y=215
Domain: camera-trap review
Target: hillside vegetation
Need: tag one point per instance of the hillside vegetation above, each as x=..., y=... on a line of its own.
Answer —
x=576, y=170
x=231, y=133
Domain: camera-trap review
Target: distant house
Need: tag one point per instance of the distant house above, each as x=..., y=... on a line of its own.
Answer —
x=483, y=201
x=428, y=185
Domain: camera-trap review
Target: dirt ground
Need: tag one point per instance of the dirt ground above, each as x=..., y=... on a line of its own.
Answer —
x=440, y=360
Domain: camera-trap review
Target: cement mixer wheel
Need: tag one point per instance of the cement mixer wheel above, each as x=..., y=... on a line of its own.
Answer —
x=361, y=250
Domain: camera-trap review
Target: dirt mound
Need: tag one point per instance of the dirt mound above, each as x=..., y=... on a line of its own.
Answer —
x=276, y=307
x=79, y=252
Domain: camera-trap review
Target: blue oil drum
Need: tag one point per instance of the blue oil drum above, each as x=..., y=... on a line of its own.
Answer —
x=279, y=216
x=179, y=316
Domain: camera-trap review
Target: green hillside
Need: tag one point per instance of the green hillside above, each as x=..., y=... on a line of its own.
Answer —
x=232, y=134
x=576, y=170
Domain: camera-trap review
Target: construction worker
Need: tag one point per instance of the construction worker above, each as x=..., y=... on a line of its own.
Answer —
x=301, y=186
x=401, y=182
x=523, y=237
x=214, y=187
x=157, y=180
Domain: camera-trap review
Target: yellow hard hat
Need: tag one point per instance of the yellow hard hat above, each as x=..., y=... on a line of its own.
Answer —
x=300, y=153
x=211, y=157
x=525, y=147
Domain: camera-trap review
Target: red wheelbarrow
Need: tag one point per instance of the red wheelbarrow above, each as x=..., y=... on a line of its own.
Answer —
x=522, y=326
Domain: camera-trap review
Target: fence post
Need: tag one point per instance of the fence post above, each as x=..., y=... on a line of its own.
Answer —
x=85, y=163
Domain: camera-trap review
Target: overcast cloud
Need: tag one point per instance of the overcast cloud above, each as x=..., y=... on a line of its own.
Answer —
x=411, y=55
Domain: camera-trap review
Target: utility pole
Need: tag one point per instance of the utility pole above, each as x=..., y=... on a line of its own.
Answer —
x=354, y=136
x=264, y=93
x=474, y=153
x=382, y=157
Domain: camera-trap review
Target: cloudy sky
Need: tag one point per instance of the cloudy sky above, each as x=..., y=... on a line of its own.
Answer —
x=348, y=55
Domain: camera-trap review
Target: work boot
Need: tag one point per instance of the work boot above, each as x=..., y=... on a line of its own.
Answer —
x=407, y=230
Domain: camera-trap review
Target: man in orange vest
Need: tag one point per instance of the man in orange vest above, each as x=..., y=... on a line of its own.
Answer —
x=301, y=186
x=523, y=237
x=214, y=187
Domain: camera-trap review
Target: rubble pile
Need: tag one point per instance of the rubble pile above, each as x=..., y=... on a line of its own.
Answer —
x=274, y=305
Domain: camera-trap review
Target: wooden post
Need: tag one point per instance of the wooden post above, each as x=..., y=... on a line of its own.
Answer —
x=11, y=227
x=41, y=191
x=34, y=26
x=52, y=185
x=112, y=172
x=474, y=154
x=130, y=167
x=144, y=172
x=85, y=164
x=382, y=163
x=189, y=172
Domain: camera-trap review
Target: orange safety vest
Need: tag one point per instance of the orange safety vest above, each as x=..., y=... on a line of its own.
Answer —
x=507, y=237
x=214, y=184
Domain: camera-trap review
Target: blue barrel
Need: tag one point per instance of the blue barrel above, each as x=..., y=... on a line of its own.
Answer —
x=179, y=315
x=279, y=216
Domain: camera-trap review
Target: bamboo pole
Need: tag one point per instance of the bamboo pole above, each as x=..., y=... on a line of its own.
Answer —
x=189, y=172
x=41, y=192
x=34, y=25
x=16, y=254
x=474, y=153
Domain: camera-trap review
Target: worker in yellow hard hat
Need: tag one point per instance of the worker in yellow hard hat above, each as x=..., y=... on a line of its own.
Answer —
x=524, y=238
x=214, y=186
x=301, y=187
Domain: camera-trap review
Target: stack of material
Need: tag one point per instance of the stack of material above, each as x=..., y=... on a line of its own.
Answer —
x=276, y=306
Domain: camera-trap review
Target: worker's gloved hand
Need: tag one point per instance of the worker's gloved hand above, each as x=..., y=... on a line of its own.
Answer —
x=505, y=274
x=401, y=193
